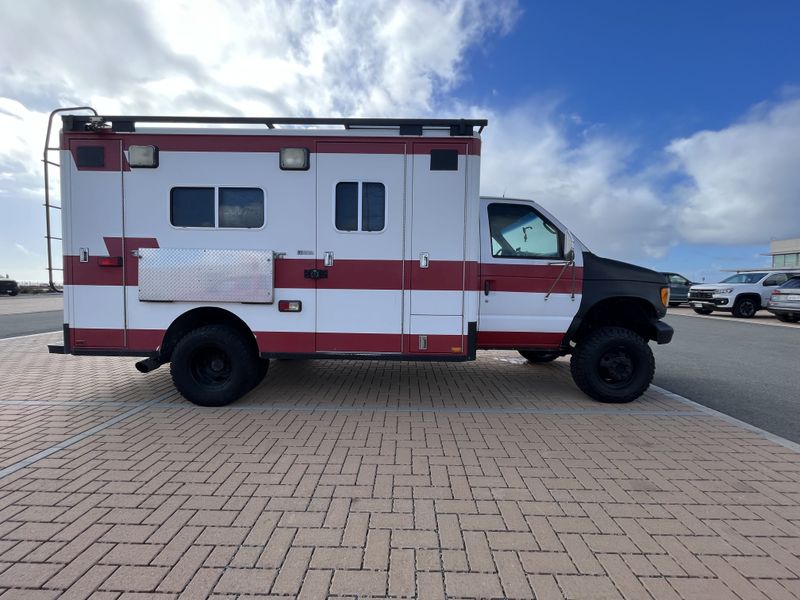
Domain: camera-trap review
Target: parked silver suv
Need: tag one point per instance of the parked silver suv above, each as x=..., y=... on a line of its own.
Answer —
x=742, y=294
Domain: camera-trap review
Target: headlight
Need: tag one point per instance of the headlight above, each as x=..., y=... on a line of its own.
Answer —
x=725, y=291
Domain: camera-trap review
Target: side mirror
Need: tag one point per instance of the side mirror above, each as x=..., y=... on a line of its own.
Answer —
x=569, y=247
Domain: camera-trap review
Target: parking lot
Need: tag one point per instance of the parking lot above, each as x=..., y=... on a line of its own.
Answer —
x=373, y=479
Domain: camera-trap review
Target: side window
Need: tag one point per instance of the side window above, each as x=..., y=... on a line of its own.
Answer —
x=776, y=279
x=191, y=207
x=360, y=206
x=224, y=207
x=518, y=231
x=241, y=207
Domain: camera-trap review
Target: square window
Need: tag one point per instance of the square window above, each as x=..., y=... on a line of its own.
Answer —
x=347, y=206
x=192, y=207
x=445, y=159
x=373, y=207
x=91, y=157
x=241, y=207
x=360, y=206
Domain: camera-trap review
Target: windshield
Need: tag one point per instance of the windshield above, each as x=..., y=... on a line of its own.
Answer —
x=744, y=278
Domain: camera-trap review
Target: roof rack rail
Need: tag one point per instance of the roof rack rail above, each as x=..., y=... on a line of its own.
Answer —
x=127, y=124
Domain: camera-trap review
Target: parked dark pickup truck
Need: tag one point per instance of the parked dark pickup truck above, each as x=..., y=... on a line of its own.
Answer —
x=9, y=286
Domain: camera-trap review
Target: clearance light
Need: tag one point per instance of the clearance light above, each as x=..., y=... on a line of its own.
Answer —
x=110, y=261
x=665, y=296
x=290, y=305
x=145, y=157
x=294, y=159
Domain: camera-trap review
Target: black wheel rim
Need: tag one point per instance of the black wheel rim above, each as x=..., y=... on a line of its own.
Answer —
x=210, y=365
x=616, y=366
x=747, y=308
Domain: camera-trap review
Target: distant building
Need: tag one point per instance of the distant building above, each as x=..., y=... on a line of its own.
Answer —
x=785, y=253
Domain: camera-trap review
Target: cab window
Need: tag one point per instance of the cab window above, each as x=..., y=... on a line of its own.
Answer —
x=518, y=231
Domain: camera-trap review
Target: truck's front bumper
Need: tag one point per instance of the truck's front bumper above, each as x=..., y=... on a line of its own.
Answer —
x=715, y=303
x=662, y=333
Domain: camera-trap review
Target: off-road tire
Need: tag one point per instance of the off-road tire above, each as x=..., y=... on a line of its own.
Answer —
x=13, y=292
x=591, y=371
x=745, y=308
x=703, y=311
x=214, y=365
x=538, y=356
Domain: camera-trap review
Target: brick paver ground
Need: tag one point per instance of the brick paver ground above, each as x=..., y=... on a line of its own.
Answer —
x=492, y=479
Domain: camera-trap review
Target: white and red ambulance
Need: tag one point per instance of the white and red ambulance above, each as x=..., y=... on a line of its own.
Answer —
x=215, y=244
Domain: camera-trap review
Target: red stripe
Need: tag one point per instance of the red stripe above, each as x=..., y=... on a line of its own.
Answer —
x=440, y=275
x=149, y=340
x=356, y=274
x=175, y=142
x=497, y=340
x=97, y=338
x=145, y=339
x=294, y=342
x=91, y=273
x=532, y=278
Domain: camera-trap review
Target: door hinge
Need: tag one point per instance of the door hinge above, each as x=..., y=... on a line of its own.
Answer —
x=315, y=274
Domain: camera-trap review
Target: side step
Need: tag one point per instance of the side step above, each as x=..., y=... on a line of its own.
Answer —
x=55, y=349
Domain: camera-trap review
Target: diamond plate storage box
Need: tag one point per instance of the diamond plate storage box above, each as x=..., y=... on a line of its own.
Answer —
x=198, y=275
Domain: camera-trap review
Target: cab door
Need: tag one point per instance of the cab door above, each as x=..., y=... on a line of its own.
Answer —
x=359, y=263
x=529, y=292
x=93, y=256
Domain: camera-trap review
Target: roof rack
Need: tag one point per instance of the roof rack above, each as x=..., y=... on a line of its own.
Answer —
x=127, y=124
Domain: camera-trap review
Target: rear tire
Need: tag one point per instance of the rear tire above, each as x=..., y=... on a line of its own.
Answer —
x=787, y=318
x=13, y=292
x=538, y=356
x=745, y=308
x=613, y=364
x=214, y=365
x=703, y=311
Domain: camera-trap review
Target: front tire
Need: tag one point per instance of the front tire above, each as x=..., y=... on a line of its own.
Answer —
x=214, y=365
x=538, y=356
x=745, y=308
x=613, y=364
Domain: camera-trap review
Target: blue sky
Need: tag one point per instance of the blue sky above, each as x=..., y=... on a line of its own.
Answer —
x=650, y=72
x=664, y=133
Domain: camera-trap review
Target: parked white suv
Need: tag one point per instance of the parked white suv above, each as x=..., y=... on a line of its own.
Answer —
x=742, y=294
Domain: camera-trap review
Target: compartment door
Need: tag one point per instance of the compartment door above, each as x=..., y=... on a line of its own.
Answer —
x=93, y=255
x=359, y=263
x=436, y=259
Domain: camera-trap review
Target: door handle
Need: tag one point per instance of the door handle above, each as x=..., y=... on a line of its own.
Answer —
x=327, y=259
x=424, y=261
x=486, y=287
x=83, y=255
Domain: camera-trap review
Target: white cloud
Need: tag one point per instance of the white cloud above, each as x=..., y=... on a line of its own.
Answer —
x=744, y=180
x=384, y=58
x=530, y=152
